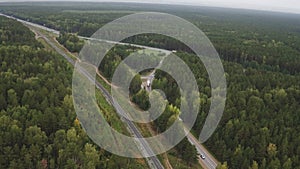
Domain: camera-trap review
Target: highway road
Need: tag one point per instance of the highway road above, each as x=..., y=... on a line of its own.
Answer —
x=167, y=52
x=208, y=163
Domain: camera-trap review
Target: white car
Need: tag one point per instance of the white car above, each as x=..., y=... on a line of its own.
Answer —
x=202, y=156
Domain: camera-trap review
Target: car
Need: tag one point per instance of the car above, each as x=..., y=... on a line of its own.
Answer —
x=148, y=83
x=202, y=156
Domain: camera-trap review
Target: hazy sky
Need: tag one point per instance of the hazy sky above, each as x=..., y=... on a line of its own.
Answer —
x=292, y=6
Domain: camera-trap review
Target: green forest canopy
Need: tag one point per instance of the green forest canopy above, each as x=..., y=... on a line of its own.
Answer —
x=260, y=52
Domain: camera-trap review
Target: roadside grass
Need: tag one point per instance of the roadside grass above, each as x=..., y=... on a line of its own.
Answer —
x=110, y=114
x=103, y=83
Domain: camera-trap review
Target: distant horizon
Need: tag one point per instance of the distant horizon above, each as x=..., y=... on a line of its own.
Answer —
x=293, y=7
